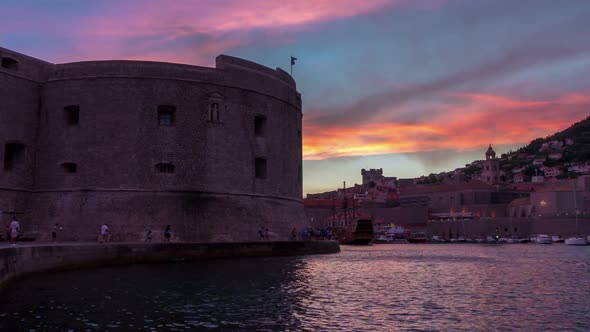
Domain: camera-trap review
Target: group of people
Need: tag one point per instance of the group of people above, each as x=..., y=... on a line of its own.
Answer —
x=13, y=231
x=263, y=232
x=167, y=234
x=105, y=235
x=318, y=234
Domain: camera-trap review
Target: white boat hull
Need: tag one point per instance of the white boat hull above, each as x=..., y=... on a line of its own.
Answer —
x=576, y=241
x=543, y=239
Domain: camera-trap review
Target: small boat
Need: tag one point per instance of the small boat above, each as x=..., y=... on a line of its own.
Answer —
x=436, y=238
x=543, y=239
x=557, y=239
x=417, y=237
x=490, y=239
x=385, y=238
x=576, y=241
x=505, y=240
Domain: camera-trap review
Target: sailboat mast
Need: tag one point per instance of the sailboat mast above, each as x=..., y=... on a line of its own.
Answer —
x=576, y=206
x=345, y=201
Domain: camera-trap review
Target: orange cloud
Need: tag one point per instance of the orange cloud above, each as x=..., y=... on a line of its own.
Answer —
x=479, y=119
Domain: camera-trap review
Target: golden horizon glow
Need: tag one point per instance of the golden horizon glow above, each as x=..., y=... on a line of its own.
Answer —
x=461, y=126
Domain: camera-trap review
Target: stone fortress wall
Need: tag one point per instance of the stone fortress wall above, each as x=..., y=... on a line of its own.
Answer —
x=214, y=152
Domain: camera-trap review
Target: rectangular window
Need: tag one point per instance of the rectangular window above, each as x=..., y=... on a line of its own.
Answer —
x=259, y=125
x=13, y=155
x=166, y=115
x=69, y=167
x=260, y=168
x=165, y=168
x=72, y=114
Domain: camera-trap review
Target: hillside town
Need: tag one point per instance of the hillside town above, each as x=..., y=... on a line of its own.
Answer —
x=543, y=187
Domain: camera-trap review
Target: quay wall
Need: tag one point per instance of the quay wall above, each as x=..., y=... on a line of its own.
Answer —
x=505, y=227
x=24, y=260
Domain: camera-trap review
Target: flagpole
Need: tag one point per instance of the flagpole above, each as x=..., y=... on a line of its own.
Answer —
x=291, y=61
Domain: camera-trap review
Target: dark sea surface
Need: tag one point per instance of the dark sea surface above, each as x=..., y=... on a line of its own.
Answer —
x=397, y=287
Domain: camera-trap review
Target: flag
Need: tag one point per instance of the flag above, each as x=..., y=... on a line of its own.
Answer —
x=293, y=59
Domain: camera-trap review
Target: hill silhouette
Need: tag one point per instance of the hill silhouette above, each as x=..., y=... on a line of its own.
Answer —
x=579, y=151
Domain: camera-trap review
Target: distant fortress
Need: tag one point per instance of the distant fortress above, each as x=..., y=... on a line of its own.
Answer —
x=214, y=152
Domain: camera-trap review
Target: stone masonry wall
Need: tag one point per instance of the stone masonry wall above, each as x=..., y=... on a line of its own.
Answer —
x=117, y=144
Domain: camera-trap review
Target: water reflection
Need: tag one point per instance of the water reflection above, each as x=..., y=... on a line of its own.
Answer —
x=377, y=288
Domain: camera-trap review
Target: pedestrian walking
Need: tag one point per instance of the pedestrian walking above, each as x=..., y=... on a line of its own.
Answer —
x=104, y=233
x=294, y=234
x=261, y=232
x=56, y=228
x=266, y=233
x=148, y=236
x=167, y=233
x=14, y=230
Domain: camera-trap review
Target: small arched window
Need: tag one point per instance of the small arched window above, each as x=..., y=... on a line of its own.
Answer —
x=214, y=112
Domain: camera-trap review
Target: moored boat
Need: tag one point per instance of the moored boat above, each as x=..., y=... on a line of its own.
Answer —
x=576, y=241
x=543, y=239
x=417, y=237
x=352, y=228
x=557, y=239
x=384, y=238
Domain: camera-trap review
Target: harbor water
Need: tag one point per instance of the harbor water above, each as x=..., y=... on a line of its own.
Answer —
x=390, y=287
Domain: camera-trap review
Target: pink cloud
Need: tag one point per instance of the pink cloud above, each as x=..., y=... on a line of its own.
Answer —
x=172, y=30
x=195, y=32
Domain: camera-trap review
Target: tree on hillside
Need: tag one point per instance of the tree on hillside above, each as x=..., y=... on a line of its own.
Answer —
x=471, y=171
x=533, y=147
x=550, y=163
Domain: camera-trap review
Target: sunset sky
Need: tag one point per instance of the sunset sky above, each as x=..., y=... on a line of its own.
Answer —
x=413, y=87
